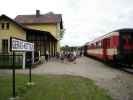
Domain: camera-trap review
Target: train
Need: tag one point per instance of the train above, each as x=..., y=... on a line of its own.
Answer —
x=115, y=47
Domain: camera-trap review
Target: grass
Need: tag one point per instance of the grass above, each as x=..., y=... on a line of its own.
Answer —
x=52, y=87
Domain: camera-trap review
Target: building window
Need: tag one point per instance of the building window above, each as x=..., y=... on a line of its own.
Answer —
x=2, y=26
x=7, y=26
x=5, y=45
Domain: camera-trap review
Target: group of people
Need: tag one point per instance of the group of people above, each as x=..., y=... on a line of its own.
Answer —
x=69, y=56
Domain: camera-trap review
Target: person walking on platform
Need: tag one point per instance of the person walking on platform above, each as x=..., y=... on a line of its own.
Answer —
x=47, y=56
x=74, y=57
x=62, y=57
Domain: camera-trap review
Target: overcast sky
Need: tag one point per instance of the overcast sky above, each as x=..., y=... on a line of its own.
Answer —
x=84, y=20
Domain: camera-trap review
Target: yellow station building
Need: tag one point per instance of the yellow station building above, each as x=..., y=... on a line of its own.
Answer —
x=41, y=29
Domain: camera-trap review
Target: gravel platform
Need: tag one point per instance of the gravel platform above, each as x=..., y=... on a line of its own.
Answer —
x=119, y=84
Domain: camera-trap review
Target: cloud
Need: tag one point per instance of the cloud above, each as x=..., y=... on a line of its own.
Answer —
x=95, y=18
x=84, y=20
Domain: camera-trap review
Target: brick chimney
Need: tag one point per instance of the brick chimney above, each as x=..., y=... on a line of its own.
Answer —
x=37, y=12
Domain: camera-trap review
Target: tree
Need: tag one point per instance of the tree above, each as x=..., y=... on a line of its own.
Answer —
x=62, y=32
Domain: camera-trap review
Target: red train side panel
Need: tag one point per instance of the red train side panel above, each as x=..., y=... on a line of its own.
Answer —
x=107, y=49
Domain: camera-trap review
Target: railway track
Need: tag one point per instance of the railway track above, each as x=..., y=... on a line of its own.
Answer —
x=119, y=66
x=123, y=67
x=126, y=68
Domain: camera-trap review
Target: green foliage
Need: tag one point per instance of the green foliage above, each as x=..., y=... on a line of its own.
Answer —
x=70, y=49
x=62, y=32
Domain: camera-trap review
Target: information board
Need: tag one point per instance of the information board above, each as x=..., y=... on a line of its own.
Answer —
x=20, y=45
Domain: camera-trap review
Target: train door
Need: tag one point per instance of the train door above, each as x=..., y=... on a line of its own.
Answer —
x=104, y=47
x=126, y=48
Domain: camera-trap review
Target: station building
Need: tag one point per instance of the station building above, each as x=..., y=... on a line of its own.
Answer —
x=41, y=29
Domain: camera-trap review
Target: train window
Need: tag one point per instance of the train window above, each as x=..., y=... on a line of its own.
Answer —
x=108, y=42
x=94, y=45
x=97, y=44
x=123, y=37
x=100, y=44
x=130, y=38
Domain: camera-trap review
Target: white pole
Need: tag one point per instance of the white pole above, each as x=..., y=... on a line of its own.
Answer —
x=39, y=55
x=32, y=57
x=24, y=60
x=33, y=54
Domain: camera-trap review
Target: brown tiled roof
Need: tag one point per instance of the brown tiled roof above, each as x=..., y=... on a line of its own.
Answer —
x=35, y=19
x=20, y=25
x=23, y=27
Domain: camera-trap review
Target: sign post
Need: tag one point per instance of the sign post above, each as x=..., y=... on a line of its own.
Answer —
x=13, y=74
x=19, y=45
x=30, y=80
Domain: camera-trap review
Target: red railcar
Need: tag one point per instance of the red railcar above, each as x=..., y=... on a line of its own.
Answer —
x=116, y=46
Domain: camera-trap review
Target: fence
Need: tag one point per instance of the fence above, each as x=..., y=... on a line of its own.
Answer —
x=6, y=60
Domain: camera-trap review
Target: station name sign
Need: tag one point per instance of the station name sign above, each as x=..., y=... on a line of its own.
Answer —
x=20, y=45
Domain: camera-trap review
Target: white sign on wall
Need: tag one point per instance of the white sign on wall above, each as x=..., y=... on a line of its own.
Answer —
x=20, y=45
